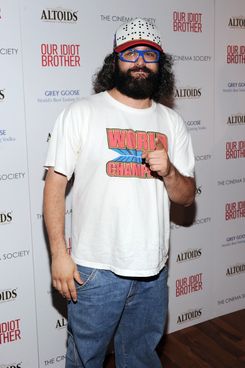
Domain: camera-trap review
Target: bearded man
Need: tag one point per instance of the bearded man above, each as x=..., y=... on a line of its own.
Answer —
x=131, y=156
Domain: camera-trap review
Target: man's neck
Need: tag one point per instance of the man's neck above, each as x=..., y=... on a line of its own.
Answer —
x=129, y=101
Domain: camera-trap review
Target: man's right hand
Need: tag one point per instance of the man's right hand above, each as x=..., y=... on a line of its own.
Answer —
x=64, y=272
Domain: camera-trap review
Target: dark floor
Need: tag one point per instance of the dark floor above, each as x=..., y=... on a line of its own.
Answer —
x=218, y=343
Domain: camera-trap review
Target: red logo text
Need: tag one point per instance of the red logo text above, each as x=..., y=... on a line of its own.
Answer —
x=234, y=210
x=234, y=149
x=10, y=331
x=235, y=54
x=188, y=285
x=187, y=22
x=63, y=55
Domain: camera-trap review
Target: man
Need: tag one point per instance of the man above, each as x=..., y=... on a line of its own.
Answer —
x=130, y=156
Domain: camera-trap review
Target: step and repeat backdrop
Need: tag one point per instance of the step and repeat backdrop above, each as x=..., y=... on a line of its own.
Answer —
x=49, y=52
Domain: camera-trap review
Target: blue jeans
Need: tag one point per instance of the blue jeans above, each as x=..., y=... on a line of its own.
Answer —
x=132, y=310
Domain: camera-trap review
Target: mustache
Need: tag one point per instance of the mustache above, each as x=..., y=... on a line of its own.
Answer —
x=139, y=69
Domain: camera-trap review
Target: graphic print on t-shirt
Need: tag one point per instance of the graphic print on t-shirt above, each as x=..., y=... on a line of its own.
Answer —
x=129, y=144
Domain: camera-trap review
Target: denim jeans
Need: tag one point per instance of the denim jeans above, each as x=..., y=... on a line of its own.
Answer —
x=130, y=310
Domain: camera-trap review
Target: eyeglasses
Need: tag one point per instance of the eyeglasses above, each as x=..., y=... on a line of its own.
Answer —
x=132, y=55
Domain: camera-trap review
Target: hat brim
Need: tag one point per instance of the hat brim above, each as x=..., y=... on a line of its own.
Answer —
x=128, y=44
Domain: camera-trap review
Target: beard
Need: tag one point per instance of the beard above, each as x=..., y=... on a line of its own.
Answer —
x=138, y=87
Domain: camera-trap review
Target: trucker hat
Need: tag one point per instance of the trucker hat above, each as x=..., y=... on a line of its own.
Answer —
x=137, y=32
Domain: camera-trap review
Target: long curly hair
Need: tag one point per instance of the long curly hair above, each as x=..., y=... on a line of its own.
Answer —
x=104, y=80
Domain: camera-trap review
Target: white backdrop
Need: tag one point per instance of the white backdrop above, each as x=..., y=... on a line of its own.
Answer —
x=48, y=55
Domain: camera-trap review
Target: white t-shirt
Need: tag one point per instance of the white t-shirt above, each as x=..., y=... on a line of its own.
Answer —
x=120, y=211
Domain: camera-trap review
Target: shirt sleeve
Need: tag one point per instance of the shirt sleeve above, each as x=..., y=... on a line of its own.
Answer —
x=183, y=157
x=66, y=142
